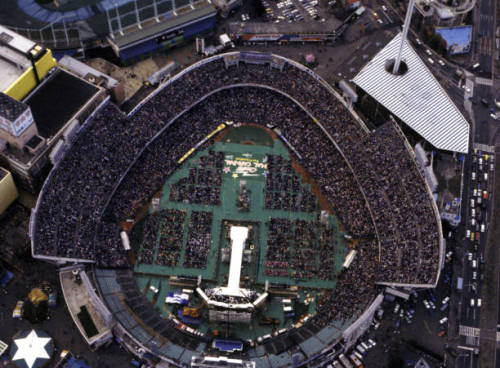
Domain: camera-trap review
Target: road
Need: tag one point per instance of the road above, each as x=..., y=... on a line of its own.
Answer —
x=484, y=36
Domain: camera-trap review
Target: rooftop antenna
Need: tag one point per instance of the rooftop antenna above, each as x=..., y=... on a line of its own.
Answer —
x=406, y=27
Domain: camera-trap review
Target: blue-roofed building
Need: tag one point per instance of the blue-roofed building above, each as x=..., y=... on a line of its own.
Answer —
x=458, y=39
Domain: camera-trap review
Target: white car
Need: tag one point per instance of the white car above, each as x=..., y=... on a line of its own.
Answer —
x=445, y=300
x=441, y=62
x=426, y=304
x=430, y=60
x=443, y=320
x=154, y=289
x=479, y=302
x=384, y=8
x=428, y=52
x=474, y=275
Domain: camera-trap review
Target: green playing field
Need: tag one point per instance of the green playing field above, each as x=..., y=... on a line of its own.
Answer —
x=242, y=200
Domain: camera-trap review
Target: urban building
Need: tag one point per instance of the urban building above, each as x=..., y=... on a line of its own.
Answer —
x=8, y=192
x=41, y=107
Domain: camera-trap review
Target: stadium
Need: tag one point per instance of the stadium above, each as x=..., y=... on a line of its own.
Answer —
x=241, y=215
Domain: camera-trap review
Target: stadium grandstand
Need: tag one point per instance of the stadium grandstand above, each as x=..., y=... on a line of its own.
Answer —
x=133, y=28
x=241, y=192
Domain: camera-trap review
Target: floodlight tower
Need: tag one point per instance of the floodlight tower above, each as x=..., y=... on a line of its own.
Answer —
x=406, y=27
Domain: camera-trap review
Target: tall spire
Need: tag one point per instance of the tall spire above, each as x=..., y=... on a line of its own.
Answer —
x=406, y=27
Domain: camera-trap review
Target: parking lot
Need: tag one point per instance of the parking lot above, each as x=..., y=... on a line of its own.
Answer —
x=294, y=11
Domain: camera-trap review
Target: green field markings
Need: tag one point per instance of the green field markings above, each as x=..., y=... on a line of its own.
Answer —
x=258, y=136
x=227, y=210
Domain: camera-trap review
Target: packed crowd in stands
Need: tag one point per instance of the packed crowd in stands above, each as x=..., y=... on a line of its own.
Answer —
x=405, y=217
x=91, y=190
x=354, y=290
x=162, y=236
x=300, y=249
x=283, y=188
x=202, y=186
x=170, y=243
x=148, y=246
x=199, y=240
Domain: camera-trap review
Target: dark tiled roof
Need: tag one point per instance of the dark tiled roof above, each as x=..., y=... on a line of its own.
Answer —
x=11, y=108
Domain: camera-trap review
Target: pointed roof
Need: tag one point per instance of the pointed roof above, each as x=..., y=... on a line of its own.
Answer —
x=415, y=97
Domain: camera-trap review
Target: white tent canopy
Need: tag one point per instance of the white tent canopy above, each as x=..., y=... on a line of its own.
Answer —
x=32, y=349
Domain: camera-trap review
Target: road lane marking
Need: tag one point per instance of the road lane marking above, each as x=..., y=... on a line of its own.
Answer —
x=427, y=327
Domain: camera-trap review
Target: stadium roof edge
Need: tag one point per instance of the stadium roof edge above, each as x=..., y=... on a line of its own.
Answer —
x=200, y=10
x=415, y=97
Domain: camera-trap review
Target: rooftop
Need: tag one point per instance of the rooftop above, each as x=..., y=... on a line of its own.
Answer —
x=11, y=108
x=57, y=99
x=415, y=97
x=12, y=65
x=15, y=40
x=13, y=62
x=457, y=39
x=309, y=27
x=80, y=303
x=169, y=21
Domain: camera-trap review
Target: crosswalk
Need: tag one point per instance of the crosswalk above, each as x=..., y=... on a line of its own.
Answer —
x=469, y=331
x=486, y=46
x=484, y=147
x=484, y=81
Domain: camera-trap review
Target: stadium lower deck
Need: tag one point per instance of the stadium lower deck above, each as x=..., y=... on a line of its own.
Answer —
x=235, y=170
